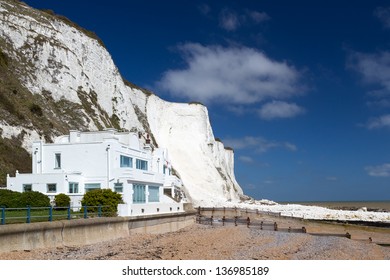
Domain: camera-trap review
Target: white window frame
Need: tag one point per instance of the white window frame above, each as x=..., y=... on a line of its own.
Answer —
x=141, y=164
x=51, y=185
x=152, y=192
x=121, y=161
x=118, y=187
x=92, y=186
x=27, y=186
x=73, y=187
x=57, y=160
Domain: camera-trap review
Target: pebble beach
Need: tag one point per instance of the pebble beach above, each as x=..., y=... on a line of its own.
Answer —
x=215, y=242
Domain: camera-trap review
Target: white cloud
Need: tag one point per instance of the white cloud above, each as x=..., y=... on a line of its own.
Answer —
x=331, y=178
x=258, y=144
x=380, y=122
x=374, y=68
x=383, y=14
x=228, y=20
x=258, y=17
x=231, y=20
x=204, y=9
x=246, y=159
x=232, y=75
x=279, y=109
x=379, y=170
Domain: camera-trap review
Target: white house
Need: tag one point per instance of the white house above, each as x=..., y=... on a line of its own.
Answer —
x=125, y=162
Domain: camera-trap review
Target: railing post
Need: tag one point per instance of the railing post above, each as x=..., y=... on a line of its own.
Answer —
x=85, y=212
x=223, y=220
x=99, y=211
x=3, y=215
x=261, y=225
x=248, y=222
x=69, y=212
x=275, y=226
x=51, y=214
x=28, y=214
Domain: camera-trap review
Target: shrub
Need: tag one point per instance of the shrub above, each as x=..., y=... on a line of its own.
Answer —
x=36, y=110
x=103, y=197
x=62, y=200
x=33, y=199
x=9, y=199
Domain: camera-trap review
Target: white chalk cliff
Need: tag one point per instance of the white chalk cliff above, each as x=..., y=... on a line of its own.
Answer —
x=63, y=63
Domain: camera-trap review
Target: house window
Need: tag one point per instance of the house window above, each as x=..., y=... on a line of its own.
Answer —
x=57, y=164
x=91, y=186
x=141, y=164
x=126, y=161
x=139, y=195
x=73, y=187
x=51, y=188
x=118, y=187
x=27, y=187
x=154, y=194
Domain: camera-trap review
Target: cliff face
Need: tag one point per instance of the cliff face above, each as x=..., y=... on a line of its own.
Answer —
x=55, y=76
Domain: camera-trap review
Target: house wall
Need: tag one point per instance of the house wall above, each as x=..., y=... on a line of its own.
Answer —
x=94, y=158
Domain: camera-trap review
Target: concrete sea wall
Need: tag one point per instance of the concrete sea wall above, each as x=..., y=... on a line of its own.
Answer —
x=87, y=231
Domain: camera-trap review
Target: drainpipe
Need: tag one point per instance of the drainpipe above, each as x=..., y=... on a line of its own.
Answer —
x=40, y=166
x=108, y=165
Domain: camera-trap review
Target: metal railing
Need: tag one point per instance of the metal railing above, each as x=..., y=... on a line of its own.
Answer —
x=39, y=214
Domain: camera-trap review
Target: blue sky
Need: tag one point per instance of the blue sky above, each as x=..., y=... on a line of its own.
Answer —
x=299, y=89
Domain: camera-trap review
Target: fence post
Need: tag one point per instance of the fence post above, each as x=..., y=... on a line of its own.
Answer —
x=275, y=226
x=28, y=214
x=223, y=221
x=261, y=225
x=85, y=212
x=3, y=215
x=69, y=212
x=235, y=220
x=211, y=220
x=248, y=222
x=51, y=214
x=100, y=211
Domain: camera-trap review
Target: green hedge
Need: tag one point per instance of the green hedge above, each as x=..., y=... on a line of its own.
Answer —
x=12, y=199
x=105, y=197
x=62, y=200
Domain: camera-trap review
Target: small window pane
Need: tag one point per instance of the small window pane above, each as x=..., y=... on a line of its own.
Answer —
x=91, y=186
x=126, y=161
x=154, y=194
x=57, y=161
x=27, y=187
x=141, y=164
x=139, y=195
x=73, y=187
x=51, y=188
x=118, y=187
